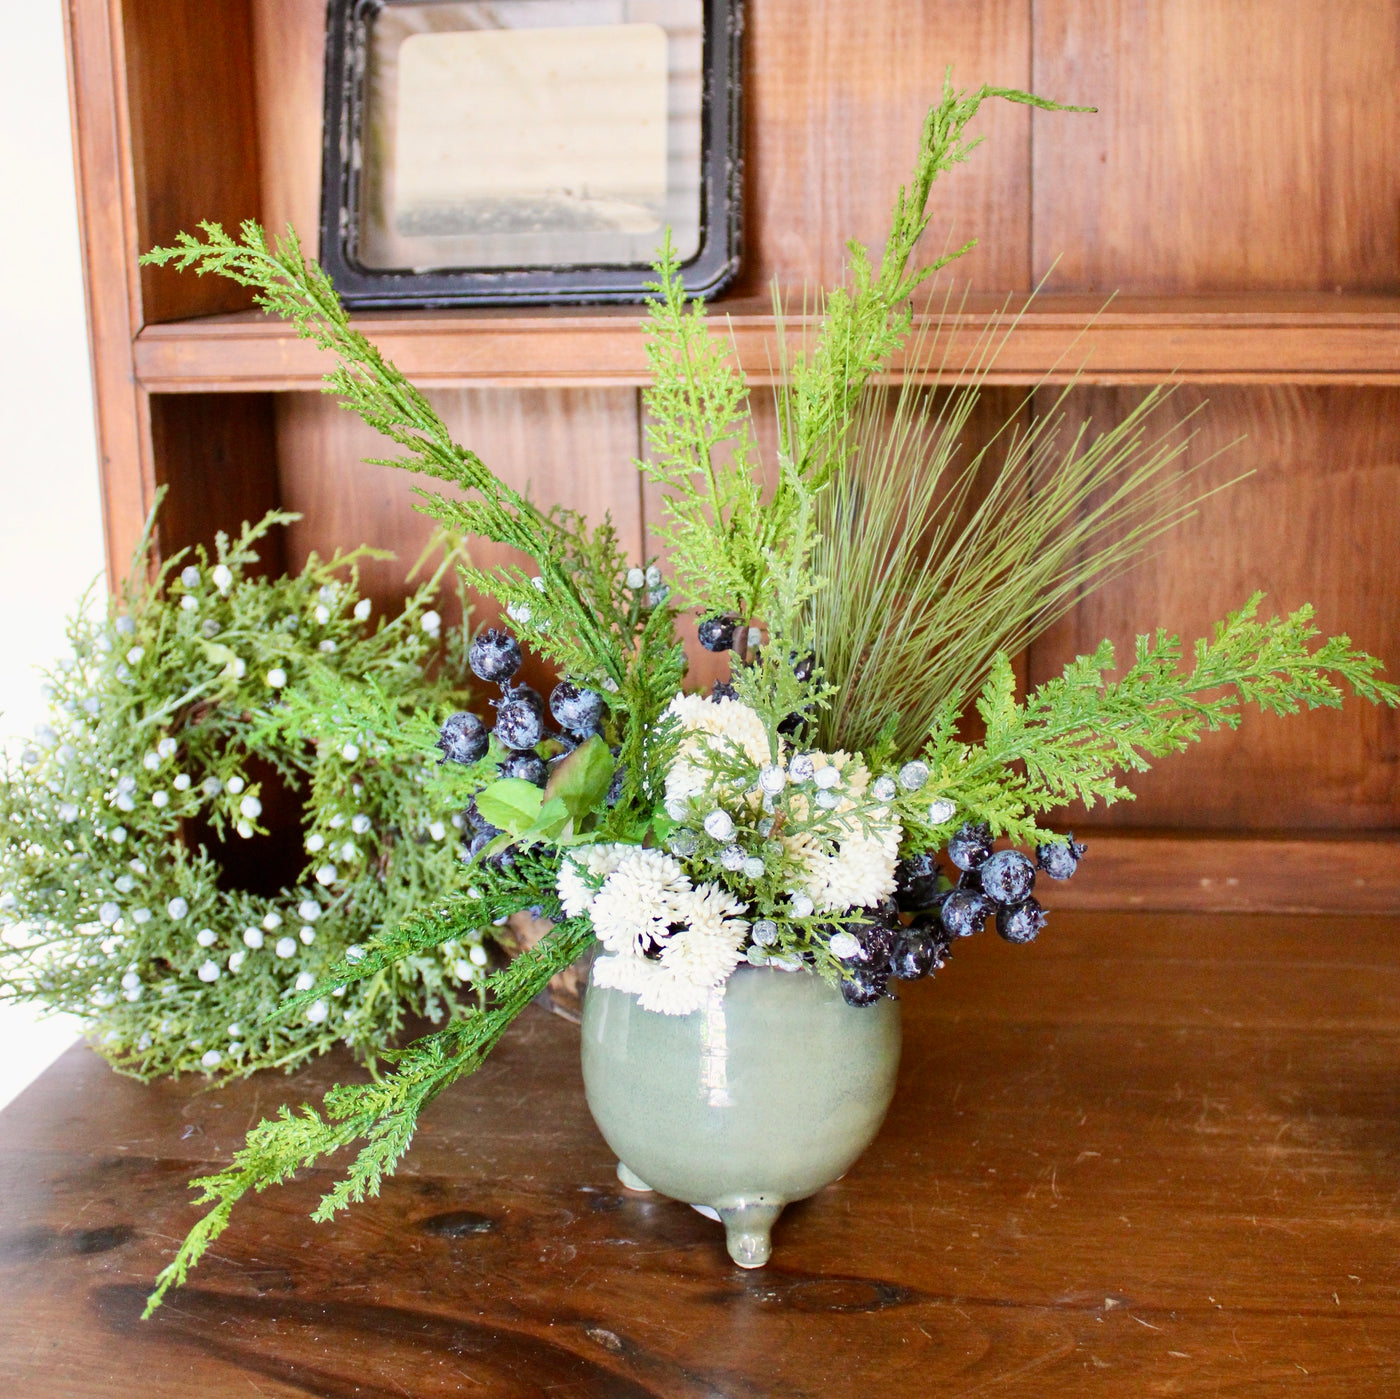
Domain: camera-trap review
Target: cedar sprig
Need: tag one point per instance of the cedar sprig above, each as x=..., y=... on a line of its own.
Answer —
x=1074, y=734
x=380, y=1114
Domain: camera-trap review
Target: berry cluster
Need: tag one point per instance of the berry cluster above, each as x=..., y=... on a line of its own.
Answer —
x=991, y=884
x=520, y=727
x=879, y=948
x=998, y=884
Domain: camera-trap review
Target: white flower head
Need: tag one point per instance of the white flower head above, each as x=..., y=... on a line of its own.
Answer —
x=712, y=725
x=580, y=873
x=704, y=947
x=709, y=944
x=637, y=907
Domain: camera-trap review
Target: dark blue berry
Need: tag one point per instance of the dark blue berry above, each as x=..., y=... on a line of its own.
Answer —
x=619, y=779
x=519, y=718
x=802, y=669
x=916, y=882
x=864, y=986
x=1060, y=859
x=970, y=879
x=965, y=912
x=723, y=690
x=476, y=820
x=877, y=939
x=911, y=957
x=794, y=725
x=1020, y=922
x=1008, y=876
x=481, y=840
x=929, y=928
x=463, y=739
x=970, y=846
x=576, y=710
x=529, y=767
x=717, y=633
x=494, y=655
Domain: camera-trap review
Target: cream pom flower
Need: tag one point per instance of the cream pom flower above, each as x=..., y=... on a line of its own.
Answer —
x=639, y=902
x=706, y=724
x=656, y=987
x=700, y=953
x=580, y=872
x=710, y=944
x=861, y=869
x=860, y=872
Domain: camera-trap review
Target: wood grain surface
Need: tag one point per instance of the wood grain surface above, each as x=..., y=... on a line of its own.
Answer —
x=194, y=137
x=1315, y=523
x=1147, y=1156
x=1238, y=144
x=1303, y=337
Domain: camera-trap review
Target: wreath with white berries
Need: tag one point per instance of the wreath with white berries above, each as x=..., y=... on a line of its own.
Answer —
x=174, y=715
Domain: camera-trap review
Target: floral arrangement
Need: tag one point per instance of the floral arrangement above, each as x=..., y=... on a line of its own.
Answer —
x=868, y=600
x=196, y=693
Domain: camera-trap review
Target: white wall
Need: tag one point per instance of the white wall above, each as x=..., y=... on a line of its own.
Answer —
x=50, y=520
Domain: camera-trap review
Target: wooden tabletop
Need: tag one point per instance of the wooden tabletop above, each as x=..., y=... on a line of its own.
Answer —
x=1150, y=1155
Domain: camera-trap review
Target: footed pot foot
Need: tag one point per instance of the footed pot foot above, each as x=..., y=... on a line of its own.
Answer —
x=632, y=1180
x=748, y=1226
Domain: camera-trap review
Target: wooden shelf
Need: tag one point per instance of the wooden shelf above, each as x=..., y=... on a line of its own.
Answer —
x=1305, y=338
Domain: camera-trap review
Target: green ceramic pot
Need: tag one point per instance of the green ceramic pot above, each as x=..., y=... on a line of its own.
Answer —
x=764, y=1096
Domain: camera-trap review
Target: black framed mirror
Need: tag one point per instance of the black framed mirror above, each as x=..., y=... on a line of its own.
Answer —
x=481, y=152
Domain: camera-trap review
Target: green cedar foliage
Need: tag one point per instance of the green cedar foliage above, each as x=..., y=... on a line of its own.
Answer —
x=733, y=550
x=1071, y=735
x=169, y=718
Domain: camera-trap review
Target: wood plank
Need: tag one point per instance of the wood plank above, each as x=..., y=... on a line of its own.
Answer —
x=217, y=459
x=193, y=139
x=1239, y=145
x=1193, y=873
x=835, y=105
x=1316, y=523
x=1145, y=1156
x=107, y=228
x=568, y=447
x=288, y=40
x=1295, y=339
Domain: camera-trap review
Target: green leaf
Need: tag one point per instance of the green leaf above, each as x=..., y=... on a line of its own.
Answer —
x=553, y=822
x=582, y=780
x=510, y=803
